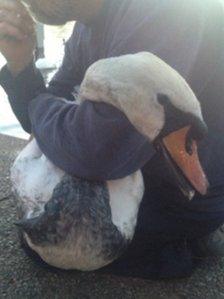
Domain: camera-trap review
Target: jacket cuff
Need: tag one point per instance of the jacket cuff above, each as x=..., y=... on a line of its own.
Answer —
x=21, y=90
x=26, y=85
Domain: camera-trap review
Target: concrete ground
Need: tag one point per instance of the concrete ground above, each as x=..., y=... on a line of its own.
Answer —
x=21, y=277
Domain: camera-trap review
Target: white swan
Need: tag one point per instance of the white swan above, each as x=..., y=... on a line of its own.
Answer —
x=76, y=224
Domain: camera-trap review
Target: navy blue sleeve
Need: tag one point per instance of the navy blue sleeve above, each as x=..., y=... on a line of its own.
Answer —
x=29, y=83
x=93, y=140
x=20, y=90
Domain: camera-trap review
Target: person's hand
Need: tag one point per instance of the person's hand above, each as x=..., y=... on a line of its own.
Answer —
x=17, y=35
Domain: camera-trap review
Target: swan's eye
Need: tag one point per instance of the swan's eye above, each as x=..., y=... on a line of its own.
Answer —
x=163, y=99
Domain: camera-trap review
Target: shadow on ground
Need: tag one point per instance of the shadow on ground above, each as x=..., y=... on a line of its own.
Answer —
x=20, y=277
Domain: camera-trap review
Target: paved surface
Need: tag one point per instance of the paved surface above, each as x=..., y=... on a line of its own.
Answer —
x=20, y=277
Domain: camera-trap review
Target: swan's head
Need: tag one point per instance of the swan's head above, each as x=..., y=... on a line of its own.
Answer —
x=159, y=103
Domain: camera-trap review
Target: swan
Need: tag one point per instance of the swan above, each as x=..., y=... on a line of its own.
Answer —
x=72, y=223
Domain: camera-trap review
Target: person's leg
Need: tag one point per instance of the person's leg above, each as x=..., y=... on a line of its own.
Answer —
x=200, y=220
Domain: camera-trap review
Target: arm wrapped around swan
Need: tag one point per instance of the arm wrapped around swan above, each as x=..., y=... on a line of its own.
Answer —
x=75, y=223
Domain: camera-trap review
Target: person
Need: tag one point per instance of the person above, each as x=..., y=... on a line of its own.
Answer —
x=96, y=141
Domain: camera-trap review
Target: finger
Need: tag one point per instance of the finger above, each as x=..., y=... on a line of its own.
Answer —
x=16, y=20
x=9, y=31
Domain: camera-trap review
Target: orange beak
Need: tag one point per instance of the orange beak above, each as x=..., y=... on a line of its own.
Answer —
x=188, y=163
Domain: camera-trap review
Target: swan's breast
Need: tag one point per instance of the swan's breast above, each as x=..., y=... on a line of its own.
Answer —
x=70, y=222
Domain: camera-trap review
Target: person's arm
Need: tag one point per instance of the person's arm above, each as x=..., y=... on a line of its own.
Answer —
x=29, y=83
x=21, y=90
x=93, y=140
